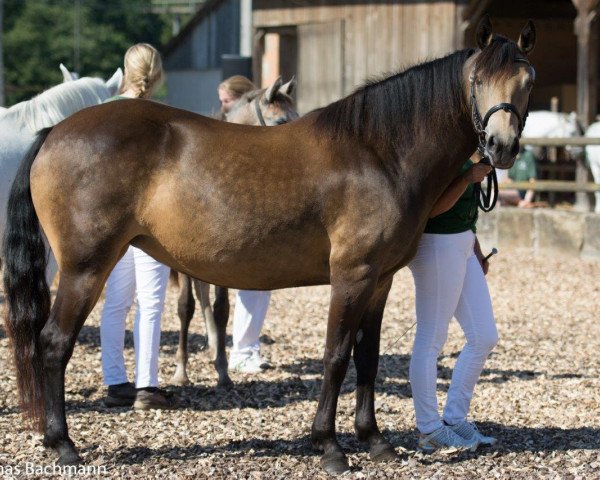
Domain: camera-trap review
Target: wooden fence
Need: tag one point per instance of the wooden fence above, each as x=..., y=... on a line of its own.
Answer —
x=556, y=185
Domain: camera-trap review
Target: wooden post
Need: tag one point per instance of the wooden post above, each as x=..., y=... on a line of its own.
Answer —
x=552, y=151
x=587, y=80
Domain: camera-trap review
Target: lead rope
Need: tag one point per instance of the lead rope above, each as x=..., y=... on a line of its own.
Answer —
x=486, y=200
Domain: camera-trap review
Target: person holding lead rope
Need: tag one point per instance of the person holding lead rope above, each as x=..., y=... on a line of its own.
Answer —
x=449, y=273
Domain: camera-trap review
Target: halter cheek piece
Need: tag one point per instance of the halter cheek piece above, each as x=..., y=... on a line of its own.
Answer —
x=259, y=114
x=485, y=199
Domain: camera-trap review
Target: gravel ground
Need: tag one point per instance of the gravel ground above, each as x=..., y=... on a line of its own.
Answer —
x=539, y=393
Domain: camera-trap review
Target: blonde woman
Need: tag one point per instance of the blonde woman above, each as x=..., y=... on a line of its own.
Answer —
x=135, y=275
x=231, y=90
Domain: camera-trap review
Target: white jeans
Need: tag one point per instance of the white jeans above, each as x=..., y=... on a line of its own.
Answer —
x=449, y=282
x=248, y=319
x=137, y=272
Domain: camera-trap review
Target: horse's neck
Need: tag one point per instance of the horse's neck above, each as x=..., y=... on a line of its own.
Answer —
x=56, y=104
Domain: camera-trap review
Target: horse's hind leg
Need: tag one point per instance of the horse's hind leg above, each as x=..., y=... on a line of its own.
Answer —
x=77, y=295
x=185, y=311
x=216, y=319
x=366, y=360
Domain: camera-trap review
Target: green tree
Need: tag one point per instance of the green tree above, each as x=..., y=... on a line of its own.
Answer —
x=39, y=35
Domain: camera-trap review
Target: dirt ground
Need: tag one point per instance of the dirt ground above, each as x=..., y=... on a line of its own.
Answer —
x=539, y=392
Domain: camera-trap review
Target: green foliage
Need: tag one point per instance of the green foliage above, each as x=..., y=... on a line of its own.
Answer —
x=39, y=35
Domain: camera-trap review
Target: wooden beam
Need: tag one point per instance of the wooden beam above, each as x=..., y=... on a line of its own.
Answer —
x=587, y=79
x=559, y=142
x=551, y=186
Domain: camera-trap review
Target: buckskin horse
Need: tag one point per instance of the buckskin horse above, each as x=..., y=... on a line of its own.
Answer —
x=340, y=196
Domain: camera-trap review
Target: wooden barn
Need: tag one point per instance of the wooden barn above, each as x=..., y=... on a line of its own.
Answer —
x=334, y=45
x=196, y=60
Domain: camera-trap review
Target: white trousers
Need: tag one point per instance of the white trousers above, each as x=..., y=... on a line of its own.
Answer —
x=449, y=282
x=136, y=273
x=248, y=319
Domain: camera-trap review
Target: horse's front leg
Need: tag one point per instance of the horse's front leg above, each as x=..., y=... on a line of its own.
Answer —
x=366, y=360
x=185, y=311
x=75, y=298
x=216, y=325
x=350, y=292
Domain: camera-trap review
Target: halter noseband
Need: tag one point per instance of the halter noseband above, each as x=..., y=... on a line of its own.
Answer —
x=485, y=199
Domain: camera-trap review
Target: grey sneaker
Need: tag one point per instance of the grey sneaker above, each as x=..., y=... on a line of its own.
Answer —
x=153, y=399
x=120, y=395
x=252, y=363
x=469, y=431
x=446, y=440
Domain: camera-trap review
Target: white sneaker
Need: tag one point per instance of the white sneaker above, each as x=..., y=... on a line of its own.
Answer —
x=252, y=363
x=445, y=439
x=469, y=431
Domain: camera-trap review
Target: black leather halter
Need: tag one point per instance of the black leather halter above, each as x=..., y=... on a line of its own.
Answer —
x=259, y=114
x=486, y=200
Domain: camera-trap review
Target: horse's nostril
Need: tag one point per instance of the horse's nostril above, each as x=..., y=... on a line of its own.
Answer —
x=491, y=141
x=515, y=147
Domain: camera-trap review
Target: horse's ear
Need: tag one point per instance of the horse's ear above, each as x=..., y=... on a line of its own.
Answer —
x=115, y=82
x=484, y=33
x=67, y=76
x=289, y=87
x=272, y=90
x=526, y=40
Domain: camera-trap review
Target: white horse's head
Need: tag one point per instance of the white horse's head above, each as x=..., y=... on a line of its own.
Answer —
x=547, y=124
x=63, y=100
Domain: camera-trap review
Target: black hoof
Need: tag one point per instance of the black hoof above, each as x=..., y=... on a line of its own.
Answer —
x=383, y=452
x=335, y=463
x=69, y=458
x=225, y=384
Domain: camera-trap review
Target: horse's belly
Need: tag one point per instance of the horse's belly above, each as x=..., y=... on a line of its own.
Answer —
x=245, y=260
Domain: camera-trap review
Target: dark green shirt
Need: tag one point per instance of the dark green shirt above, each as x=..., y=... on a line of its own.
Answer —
x=461, y=217
x=524, y=167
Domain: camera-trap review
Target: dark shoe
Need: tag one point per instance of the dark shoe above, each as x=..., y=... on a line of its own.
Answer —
x=121, y=395
x=153, y=398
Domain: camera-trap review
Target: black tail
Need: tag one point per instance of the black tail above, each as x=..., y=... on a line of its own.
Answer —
x=25, y=287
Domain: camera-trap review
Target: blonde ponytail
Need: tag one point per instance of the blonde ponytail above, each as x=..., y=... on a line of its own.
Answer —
x=143, y=69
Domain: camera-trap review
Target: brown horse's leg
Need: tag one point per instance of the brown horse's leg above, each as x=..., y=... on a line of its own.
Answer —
x=348, y=301
x=216, y=325
x=366, y=360
x=77, y=295
x=185, y=311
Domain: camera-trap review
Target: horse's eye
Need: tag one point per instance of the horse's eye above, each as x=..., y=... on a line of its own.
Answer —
x=478, y=82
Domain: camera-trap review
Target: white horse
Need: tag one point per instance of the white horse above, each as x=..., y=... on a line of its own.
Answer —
x=547, y=124
x=19, y=124
x=593, y=156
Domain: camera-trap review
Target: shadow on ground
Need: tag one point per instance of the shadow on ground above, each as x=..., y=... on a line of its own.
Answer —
x=511, y=439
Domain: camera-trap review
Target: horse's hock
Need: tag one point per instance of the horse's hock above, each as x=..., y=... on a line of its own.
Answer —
x=542, y=231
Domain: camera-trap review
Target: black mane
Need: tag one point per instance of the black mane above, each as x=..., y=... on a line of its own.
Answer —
x=391, y=113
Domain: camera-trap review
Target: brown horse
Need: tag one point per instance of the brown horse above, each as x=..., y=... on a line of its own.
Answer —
x=340, y=196
x=267, y=107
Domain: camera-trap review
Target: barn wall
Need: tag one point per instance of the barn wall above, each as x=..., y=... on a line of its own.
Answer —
x=193, y=62
x=194, y=90
x=371, y=39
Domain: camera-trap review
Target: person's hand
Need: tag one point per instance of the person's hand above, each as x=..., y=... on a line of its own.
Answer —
x=485, y=265
x=525, y=204
x=477, y=172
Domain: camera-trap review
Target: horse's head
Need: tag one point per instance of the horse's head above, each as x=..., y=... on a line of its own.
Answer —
x=267, y=107
x=500, y=82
